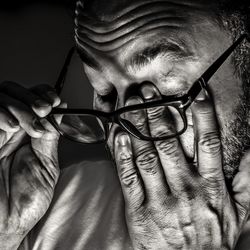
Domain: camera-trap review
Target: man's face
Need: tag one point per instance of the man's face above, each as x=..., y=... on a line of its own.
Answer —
x=168, y=43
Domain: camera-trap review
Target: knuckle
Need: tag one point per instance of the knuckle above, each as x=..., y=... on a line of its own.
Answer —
x=161, y=130
x=147, y=160
x=137, y=119
x=140, y=125
x=167, y=147
x=128, y=176
x=124, y=158
x=155, y=113
x=42, y=111
x=210, y=143
x=32, y=127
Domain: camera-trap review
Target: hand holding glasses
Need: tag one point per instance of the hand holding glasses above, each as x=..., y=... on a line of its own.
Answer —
x=92, y=126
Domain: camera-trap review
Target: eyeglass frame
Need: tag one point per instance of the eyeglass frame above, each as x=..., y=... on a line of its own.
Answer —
x=180, y=102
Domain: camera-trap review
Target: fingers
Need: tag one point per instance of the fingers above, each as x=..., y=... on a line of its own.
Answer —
x=23, y=108
x=23, y=114
x=40, y=106
x=46, y=146
x=8, y=122
x=208, y=142
x=145, y=154
x=47, y=93
x=131, y=183
x=170, y=152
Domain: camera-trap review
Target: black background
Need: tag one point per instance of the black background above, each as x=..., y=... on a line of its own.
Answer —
x=34, y=40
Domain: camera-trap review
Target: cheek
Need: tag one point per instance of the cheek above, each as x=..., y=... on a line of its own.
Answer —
x=226, y=90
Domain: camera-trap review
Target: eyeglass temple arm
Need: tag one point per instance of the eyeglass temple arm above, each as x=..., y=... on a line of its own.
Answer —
x=61, y=79
x=205, y=77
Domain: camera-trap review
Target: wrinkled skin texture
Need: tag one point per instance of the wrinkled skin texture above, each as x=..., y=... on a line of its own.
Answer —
x=191, y=40
x=173, y=204
x=174, y=190
x=28, y=159
x=170, y=202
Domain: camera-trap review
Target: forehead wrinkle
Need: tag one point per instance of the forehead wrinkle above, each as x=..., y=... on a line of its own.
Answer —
x=132, y=12
x=141, y=23
x=115, y=44
x=117, y=11
x=130, y=19
x=133, y=24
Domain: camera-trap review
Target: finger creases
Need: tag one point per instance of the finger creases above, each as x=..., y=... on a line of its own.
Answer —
x=132, y=186
x=163, y=126
x=208, y=143
x=145, y=157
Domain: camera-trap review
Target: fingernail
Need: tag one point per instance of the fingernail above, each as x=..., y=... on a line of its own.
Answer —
x=123, y=147
x=202, y=96
x=148, y=92
x=13, y=123
x=124, y=140
x=38, y=126
x=41, y=103
x=133, y=101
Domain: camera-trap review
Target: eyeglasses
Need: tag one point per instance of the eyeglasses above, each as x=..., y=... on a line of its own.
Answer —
x=92, y=126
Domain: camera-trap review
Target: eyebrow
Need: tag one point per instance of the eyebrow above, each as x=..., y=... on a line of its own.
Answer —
x=162, y=48
x=145, y=56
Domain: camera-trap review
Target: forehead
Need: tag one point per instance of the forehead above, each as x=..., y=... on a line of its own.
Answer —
x=118, y=27
x=106, y=27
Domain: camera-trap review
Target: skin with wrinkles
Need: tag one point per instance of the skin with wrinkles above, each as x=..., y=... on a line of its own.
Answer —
x=114, y=37
x=127, y=24
x=28, y=159
x=171, y=202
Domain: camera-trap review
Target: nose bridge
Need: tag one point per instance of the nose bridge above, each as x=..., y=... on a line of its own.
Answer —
x=124, y=84
x=116, y=73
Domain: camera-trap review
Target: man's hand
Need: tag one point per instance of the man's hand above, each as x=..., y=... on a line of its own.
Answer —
x=170, y=203
x=28, y=159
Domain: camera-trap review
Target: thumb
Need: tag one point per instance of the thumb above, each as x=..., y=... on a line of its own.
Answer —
x=241, y=183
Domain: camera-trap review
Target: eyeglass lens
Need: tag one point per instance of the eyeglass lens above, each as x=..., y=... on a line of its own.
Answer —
x=139, y=119
x=82, y=128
